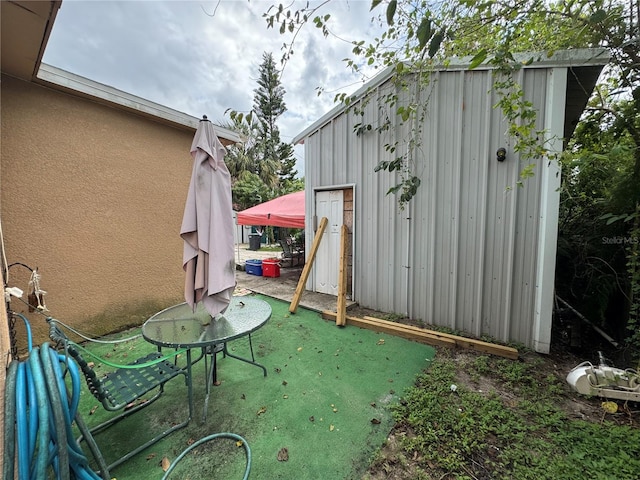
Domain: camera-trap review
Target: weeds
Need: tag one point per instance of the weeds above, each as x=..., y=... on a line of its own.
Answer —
x=462, y=433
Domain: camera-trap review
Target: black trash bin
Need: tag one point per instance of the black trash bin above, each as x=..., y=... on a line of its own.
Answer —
x=254, y=242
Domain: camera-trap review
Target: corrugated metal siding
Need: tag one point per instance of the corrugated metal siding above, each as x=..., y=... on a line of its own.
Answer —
x=463, y=254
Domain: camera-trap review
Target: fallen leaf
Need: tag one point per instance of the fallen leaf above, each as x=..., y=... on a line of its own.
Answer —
x=299, y=349
x=373, y=404
x=331, y=428
x=610, y=407
x=151, y=456
x=261, y=410
x=93, y=410
x=375, y=421
x=381, y=341
x=312, y=418
x=239, y=443
x=165, y=464
x=283, y=454
x=285, y=396
x=191, y=441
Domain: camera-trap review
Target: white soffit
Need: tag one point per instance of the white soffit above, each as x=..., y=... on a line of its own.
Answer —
x=81, y=86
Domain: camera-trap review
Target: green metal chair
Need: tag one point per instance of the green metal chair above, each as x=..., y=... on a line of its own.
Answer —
x=291, y=253
x=121, y=389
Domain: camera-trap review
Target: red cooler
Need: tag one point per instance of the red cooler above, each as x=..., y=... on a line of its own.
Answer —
x=271, y=267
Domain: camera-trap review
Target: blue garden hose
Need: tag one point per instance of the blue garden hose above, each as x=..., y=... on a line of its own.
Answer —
x=39, y=413
x=38, y=417
x=9, y=420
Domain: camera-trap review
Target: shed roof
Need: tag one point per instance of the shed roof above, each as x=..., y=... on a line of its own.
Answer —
x=585, y=66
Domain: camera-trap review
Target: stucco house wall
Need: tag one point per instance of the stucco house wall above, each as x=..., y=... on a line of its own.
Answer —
x=93, y=197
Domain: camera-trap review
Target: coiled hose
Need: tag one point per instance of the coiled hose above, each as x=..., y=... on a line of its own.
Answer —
x=39, y=413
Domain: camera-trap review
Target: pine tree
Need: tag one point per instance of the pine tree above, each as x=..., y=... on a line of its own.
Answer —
x=268, y=104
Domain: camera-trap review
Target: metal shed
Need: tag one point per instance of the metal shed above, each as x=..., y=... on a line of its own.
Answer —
x=471, y=251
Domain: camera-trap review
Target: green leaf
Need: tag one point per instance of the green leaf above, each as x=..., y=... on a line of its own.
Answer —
x=391, y=11
x=478, y=58
x=404, y=113
x=394, y=189
x=374, y=4
x=436, y=41
x=598, y=16
x=424, y=32
x=381, y=166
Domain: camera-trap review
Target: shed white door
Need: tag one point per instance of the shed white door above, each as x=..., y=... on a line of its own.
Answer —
x=327, y=264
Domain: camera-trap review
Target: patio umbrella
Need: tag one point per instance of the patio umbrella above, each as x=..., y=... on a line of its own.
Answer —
x=208, y=226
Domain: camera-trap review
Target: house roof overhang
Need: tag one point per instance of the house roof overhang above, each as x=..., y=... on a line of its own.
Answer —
x=82, y=87
x=26, y=27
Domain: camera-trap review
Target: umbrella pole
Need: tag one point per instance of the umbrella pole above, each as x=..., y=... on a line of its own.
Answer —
x=235, y=236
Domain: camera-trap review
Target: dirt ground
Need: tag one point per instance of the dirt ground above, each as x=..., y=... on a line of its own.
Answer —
x=558, y=363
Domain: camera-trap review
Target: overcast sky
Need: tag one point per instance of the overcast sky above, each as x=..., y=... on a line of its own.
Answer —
x=202, y=57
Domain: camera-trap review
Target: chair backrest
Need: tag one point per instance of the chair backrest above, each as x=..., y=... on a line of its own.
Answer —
x=286, y=247
x=93, y=382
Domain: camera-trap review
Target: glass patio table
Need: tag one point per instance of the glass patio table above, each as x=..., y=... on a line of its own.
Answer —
x=180, y=327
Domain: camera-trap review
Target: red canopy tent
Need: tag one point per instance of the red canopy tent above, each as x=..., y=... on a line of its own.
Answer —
x=284, y=211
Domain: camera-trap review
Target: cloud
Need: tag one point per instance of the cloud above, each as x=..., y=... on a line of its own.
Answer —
x=203, y=57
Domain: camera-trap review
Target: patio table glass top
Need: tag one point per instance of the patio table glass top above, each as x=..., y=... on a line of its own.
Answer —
x=181, y=327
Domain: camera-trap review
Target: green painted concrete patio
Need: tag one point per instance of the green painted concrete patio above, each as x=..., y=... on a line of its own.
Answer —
x=322, y=412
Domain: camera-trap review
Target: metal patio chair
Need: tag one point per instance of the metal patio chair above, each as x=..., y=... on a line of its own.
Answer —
x=122, y=389
x=291, y=253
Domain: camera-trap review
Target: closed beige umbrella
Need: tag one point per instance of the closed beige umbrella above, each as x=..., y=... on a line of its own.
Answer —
x=207, y=225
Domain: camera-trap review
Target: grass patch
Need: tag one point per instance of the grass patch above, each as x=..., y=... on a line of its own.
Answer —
x=516, y=430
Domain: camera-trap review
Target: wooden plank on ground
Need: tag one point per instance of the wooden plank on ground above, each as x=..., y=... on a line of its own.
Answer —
x=392, y=329
x=464, y=342
x=307, y=266
x=342, y=280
